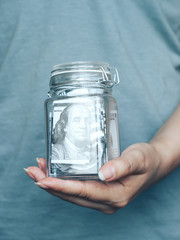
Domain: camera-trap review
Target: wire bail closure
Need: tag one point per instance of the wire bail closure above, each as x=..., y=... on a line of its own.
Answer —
x=115, y=74
x=91, y=72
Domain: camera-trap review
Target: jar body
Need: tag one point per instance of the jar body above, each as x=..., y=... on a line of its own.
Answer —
x=82, y=132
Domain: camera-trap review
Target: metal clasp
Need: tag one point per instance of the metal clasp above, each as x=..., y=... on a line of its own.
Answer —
x=105, y=77
x=114, y=72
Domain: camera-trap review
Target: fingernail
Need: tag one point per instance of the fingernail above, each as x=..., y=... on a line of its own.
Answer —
x=29, y=173
x=38, y=160
x=41, y=185
x=107, y=173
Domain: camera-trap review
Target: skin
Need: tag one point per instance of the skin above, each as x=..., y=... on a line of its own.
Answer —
x=138, y=167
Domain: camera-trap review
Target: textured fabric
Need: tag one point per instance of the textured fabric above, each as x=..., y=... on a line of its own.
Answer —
x=140, y=38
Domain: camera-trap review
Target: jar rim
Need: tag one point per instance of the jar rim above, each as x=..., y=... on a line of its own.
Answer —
x=80, y=64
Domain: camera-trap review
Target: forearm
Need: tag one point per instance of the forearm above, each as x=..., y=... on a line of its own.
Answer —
x=167, y=142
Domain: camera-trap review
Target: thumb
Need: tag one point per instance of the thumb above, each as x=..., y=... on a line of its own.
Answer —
x=132, y=162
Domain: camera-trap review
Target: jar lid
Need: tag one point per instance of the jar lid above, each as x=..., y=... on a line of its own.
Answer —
x=98, y=73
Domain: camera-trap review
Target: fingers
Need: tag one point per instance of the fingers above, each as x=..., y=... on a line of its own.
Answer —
x=114, y=195
x=92, y=190
x=84, y=202
x=130, y=172
x=103, y=196
x=132, y=161
x=41, y=162
x=35, y=173
x=53, y=187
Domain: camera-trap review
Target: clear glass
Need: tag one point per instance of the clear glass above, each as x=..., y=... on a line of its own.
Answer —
x=81, y=119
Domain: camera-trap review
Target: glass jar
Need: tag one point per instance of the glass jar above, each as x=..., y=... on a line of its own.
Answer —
x=81, y=120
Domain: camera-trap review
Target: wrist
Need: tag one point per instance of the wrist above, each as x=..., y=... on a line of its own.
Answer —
x=167, y=153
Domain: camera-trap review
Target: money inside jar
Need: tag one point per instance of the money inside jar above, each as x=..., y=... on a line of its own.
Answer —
x=81, y=119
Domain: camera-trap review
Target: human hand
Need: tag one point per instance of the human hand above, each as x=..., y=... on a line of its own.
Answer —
x=123, y=179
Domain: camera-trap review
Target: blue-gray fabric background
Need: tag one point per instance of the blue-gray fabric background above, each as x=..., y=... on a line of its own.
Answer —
x=142, y=40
